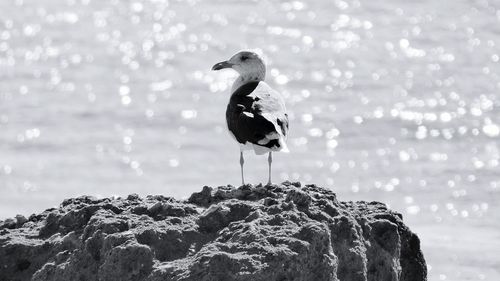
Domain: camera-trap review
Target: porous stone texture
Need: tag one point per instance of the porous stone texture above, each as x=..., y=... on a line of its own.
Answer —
x=276, y=232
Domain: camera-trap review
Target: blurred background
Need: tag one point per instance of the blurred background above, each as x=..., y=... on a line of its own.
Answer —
x=395, y=101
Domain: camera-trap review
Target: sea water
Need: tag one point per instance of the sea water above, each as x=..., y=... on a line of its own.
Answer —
x=395, y=101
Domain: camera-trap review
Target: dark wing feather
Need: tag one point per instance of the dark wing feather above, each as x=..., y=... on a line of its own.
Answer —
x=283, y=123
x=251, y=111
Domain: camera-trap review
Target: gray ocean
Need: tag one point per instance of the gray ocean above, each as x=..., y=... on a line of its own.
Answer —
x=395, y=101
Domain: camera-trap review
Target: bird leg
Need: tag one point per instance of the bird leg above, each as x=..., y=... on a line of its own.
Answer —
x=270, y=160
x=242, y=161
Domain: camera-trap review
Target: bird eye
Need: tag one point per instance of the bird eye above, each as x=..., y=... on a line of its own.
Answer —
x=244, y=58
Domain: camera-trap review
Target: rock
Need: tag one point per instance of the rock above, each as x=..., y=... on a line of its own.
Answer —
x=300, y=198
x=8, y=223
x=20, y=220
x=276, y=232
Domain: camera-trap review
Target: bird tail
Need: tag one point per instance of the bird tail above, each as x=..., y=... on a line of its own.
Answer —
x=283, y=146
x=278, y=134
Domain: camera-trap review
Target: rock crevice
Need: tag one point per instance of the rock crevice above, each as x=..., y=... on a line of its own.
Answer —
x=277, y=232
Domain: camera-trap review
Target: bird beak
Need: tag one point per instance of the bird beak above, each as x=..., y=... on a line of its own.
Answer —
x=222, y=65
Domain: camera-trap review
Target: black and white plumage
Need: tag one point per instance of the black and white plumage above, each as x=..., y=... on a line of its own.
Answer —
x=256, y=115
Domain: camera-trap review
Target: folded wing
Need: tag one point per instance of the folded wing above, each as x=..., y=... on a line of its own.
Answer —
x=256, y=115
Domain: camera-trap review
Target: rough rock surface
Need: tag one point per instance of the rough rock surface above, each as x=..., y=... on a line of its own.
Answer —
x=279, y=232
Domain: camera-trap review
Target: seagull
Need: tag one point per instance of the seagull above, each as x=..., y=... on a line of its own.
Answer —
x=256, y=115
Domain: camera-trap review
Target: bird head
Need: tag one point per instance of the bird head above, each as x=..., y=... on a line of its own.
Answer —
x=246, y=63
